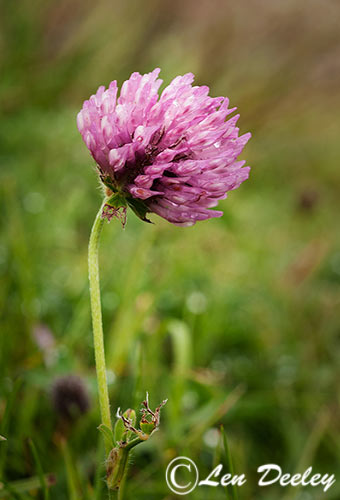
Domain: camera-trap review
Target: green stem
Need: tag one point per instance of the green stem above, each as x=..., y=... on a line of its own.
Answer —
x=96, y=311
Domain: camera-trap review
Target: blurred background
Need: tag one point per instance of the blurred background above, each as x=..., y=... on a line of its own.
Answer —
x=235, y=320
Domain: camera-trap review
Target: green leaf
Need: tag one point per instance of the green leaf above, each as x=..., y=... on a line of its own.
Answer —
x=108, y=434
x=140, y=208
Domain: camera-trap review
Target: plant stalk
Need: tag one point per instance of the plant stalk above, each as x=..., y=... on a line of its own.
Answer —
x=97, y=324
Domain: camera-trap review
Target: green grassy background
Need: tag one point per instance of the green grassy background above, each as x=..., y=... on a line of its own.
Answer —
x=235, y=320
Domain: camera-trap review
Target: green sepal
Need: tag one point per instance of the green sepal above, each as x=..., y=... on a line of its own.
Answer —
x=119, y=431
x=140, y=208
x=117, y=200
x=147, y=427
x=115, y=206
x=108, y=182
x=131, y=415
x=121, y=434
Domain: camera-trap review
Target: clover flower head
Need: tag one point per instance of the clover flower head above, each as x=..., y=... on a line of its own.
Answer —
x=70, y=397
x=174, y=154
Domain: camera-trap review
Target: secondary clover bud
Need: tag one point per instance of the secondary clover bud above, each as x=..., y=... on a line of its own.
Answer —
x=126, y=436
x=174, y=154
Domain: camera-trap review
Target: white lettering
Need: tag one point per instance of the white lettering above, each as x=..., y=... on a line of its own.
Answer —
x=266, y=469
x=214, y=473
x=327, y=481
x=298, y=479
x=172, y=476
x=228, y=479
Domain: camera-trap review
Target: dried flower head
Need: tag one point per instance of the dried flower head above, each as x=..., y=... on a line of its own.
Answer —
x=149, y=420
x=126, y=436
x=70, y=397
x=173, y=154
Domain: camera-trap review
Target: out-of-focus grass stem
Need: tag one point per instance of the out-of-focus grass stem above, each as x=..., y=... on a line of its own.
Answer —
x=71, y=473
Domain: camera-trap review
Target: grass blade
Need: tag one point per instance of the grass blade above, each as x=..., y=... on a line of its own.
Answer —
x=22, y=486
x=73, y=482
x=5, y=424
x=39, y=468
x=229, y=463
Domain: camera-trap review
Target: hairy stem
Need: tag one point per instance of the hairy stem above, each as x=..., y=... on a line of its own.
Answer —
x=96, y=312
x=114, y=494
